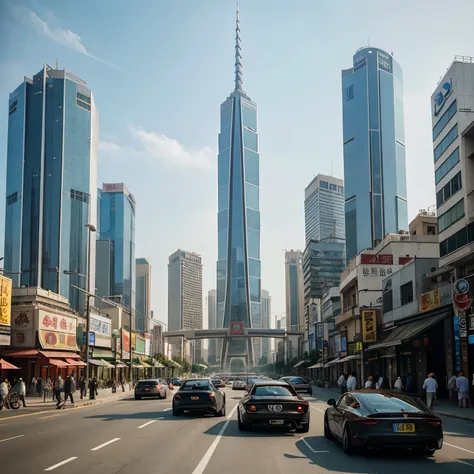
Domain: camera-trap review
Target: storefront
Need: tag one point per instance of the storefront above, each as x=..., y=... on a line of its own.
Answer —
x=102, y=357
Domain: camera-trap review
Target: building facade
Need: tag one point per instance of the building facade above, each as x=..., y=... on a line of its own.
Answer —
x=266, y=324
x=212, y=355
x=294, y=289
x=143, y=313
x=238, y=218
x=324, y=208
x=117, y=226
x=51, y=182
x=374, y=149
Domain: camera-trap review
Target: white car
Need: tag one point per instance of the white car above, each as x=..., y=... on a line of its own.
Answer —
x=239, y=385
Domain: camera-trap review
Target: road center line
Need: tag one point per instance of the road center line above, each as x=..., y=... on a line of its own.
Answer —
x=319, y=409
x=458, y=447
x=13, y=437
x=166, y=409
x=105, y=444
x=59, y=464
x=314, y=451
x=207, y=457
x=50, y=416
x=146, y=424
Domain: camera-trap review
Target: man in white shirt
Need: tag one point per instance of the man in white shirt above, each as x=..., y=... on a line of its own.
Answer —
x=462, y=384
x=430, y=386
x=351, y=382
x=341, y=383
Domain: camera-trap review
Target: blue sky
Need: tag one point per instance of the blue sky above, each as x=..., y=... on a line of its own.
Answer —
x=160, y=69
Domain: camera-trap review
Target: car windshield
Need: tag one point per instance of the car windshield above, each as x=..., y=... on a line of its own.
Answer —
x=272, y=391
x=384, y=403
x=196, y=385
x=298, y=380
x=147, y=382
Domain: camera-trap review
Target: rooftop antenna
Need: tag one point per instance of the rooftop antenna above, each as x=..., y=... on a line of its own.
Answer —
x=238, y=54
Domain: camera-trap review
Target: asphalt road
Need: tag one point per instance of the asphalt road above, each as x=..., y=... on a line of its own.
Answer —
x=130, y=437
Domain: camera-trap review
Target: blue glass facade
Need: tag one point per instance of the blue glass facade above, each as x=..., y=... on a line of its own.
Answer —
x=117, y=224
x=51, y=182
x=374, y=150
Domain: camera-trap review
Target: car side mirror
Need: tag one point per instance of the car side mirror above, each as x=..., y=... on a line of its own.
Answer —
x=332, y=402
x=246, y=393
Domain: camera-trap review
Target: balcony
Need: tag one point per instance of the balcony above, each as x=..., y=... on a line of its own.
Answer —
x=351, y=313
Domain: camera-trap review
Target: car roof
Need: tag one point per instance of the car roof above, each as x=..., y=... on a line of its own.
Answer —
x=148, y=380
x=263, y=383
x=198, y=379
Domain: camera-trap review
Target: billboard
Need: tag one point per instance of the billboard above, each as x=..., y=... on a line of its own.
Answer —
x=430, y=300
x=5, y=305
x=57, y=340
x=369, y=325
x=125, y=344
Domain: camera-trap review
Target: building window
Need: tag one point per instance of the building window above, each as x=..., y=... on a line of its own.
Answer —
x=451, y=216
x=80, y=196
x=450, y=189
x=406, y=293
x=445, y=142
x=12, y=107
x=431, y=230
x=349, y=92
x=12, y=198
x=83, y=101
x=443, y=121
x=387, y=301
x=449, y=163
x=324, y=184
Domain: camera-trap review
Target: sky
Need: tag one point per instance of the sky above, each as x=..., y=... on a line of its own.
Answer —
x=159, y=71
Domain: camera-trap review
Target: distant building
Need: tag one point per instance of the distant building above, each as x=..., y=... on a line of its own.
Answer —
x=324, y=208
x=294, y=289
x=425, y=223
x=266, y=323
x=212, y=354
x=143, y=295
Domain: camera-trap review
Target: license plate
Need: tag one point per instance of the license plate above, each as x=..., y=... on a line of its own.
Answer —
x=146, y=389
x=194, y=398
x=276, y=422
x=404, y=427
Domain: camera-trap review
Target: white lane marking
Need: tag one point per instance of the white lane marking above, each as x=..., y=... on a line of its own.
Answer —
x=50, y=416
x=314, y=451
x=319, y=409
x=13, y=437
x=161, y=418
x=59, y=464
x=207, y=457
x=458, y=447
x=105, y=444
x=166, y=409
x=146, y=424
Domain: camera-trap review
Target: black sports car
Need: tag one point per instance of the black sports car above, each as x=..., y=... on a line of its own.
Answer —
x=300, y=384
x=382, y=419
x=272, y=403
x=199, y=395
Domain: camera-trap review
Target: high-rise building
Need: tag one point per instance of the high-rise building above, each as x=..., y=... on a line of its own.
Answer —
x=294, y=290
x=374, y=150
x=185, y=296
x=212, y=324
x=266, y=323
x=51, y=182
x=238, y=265
x=117, y=230
x=143, y=295
x=324, y=208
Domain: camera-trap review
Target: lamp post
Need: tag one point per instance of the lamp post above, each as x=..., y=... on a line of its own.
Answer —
x=91, y=229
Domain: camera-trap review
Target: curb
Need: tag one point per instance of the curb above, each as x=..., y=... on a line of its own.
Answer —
x=455, y=416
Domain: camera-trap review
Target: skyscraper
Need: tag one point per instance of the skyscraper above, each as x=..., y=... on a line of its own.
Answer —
x=294, y=290
x=212, y=324
x=238, y=265
x=185, y=296
x=324, y=208
x=266, y=323
x=51, y=185
x=143, y=295
x=374, y=149
x=117, y=230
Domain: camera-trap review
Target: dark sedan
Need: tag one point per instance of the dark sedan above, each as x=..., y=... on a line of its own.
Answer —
x=301, y=385
x=382, y=419
x=151, y=388
x=271, y=403
x=199, y=395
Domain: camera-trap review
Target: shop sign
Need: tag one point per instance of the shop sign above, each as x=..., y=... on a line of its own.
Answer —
x=125, y=344
x=377, y=272
x=57, y=340
x=430, y=300
x=462, y=324
x=369, y=325
x=319, y=330
x=379, y=259
x=5, y=340
x=462, y=298
x=457, y=342
x=56, y=323
x=343, y=345
x=5, y=301
x=354, y=348
x=471, y=322
x=23, y=334
x=139, y=345
x=100, y=325
x=337, y=343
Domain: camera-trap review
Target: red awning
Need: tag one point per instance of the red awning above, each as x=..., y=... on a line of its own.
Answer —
x=77, y=363
x=4, y=365
x=58, y=363
x=59, y=354
x=22, y=353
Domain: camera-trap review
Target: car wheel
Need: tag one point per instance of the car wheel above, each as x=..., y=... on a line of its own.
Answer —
x=346, y=440
x=221, y=412
x=243, y=426
x=166, y=395
x=303, y=429
x=327, y=430
x=137, y=397
x=176, y=412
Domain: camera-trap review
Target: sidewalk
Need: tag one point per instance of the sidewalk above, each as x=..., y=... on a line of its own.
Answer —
x=444, y=408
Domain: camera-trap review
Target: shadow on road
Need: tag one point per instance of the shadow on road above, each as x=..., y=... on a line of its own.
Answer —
x=232, y=431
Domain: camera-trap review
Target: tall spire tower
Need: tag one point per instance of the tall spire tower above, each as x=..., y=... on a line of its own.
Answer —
x=238, y=219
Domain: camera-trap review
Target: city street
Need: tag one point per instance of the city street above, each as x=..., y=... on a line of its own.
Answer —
x=129, y=436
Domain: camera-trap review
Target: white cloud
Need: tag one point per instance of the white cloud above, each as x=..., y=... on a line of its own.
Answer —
x=67, y=38
x=161, y=147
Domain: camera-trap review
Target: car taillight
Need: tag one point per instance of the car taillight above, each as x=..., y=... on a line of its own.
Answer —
x=177, y=397
x=212, y=395
x=251, y=408
x=158, y=386
x=302, y=407
x=371, y=422
x=435, y=422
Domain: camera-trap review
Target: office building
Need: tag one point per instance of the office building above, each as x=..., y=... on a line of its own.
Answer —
x=238, y=265
x=51, y=182
x=294, y=290
x=212, y=324
x=185, y=297
x=324, y=208
x=116, y=236
x=266, y=324
x=374, y=150
x=143, y=313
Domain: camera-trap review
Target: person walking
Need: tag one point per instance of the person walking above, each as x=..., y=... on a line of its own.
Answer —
x=462, y=384
x=352, y=382
x=398, y=384
x=83, y=387
x=58, y=388
x=47, y=388
x=370, y=382
x=20, y=388
x=32, y=385
x=430, y=385
x=341, y=383
x=452, y=389
x=3, y=390
x=39, y=386
x=69, y=388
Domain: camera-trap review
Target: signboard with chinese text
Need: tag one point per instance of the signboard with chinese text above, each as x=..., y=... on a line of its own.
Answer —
x=369, y=325
x=23, y=334
x=48, y=321
x=319, y=330
x=430, y=300
x=139, y=345
x=125, y=343
x=57, y=340
x=343, y=346
x=354, y=348
x=236, y=328
x=102, y=327
x=5, y=302
x=379, y=259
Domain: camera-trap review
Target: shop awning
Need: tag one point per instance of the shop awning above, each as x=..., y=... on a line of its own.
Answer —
x=335, y=361
x=349, y=358
x=146, y=365
x=59, y=355
x=4, y=365
x=22, y=353
x=106, y=364
x=158, y=365
x=138, y=366
x=300, y=363
x=120, y=365
x=319, y=365
x=97, y=362
x=408, y=331
x=76, y=363
x=175, y=364
x=58, y=363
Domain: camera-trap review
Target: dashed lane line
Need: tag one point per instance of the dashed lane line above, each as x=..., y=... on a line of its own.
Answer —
x=146, y=424
x=13, y=437
x=458, y=447
x=50, y=416
x=315, y=408
x=166, y=409
x=314, y=451
x=105, y=444
x=59, y=464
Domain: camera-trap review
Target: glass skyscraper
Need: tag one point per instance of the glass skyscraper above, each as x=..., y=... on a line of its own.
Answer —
x=51, y=185
x=238, y=265
x=374, y=149
x=117, y=227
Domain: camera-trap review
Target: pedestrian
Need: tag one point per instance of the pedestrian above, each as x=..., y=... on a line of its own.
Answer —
x=58, y=389
x=93, y=388
x=352, y=382
x=20, y=388
x=3, y=390
x=411, y=385
x=435, y=396
x=32, y=385
x=341, y=383
x=430, y=385
x=398, y=384
x=47, y=388
x=39, y=386
x=69, y=388
x=462, y=384
x=82, y=387
x=452, y=389
x=379, y=384
x=370, y=382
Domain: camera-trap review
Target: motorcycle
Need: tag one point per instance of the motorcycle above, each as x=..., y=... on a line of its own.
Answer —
x=11, y=401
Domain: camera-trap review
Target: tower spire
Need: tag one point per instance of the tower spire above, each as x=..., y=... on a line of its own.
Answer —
x=238, y=54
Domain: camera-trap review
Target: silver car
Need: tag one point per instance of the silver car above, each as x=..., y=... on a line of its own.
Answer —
x=151, y=388
x=239, y=385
